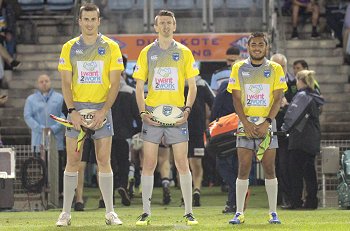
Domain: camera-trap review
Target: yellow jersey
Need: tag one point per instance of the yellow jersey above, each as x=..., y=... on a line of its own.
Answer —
x=257, y=85
x=90, y=66
x=166, y=72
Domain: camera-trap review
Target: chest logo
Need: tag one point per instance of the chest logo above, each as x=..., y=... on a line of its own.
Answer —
x=101, y=51
x=176, y=56
x=267, y=73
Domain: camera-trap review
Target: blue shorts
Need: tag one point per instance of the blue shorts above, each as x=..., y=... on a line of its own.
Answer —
x=105, y=131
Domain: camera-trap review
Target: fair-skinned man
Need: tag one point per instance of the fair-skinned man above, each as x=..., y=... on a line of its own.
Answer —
x=90, y=67
x=257, y=86
x=166, y=56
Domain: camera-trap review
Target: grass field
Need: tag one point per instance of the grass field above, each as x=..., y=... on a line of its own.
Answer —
x=170, y=217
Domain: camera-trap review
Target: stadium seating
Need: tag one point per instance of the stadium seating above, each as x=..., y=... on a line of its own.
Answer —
x=31, y=5
x=120, y=5
x=55, y=5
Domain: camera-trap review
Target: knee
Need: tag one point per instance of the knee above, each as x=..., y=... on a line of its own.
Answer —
x=148, y=165
x=103, y=162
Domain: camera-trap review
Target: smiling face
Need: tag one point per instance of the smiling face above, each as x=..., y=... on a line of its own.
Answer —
x=89, y=22
x=257, y=48
x=165, y=26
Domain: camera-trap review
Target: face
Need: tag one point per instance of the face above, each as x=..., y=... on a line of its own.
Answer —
x=257, y=48
x=300, y=84
x=298, y=67
x=165, y=26
x=231, y=59
x=89, y=23
x=44, y=83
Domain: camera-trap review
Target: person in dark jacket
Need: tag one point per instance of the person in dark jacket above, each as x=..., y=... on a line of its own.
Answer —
x=124, y=112
x=302, y=123
x=223, y=104
x=196, y=126
x=282, y=154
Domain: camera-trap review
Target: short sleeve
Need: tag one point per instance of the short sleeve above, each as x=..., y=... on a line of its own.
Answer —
x=64, y=63
x=116, y=57
x=233, y=82
x=190, y=65
x=280, y=79
x=141, y=69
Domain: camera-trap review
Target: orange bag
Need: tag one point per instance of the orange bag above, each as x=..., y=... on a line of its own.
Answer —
x=223, y=126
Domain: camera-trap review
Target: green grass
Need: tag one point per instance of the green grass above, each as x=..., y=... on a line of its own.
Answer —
x=170, y=217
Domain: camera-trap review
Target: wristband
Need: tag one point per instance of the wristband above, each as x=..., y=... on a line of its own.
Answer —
x=143, y=112
x=70, y=110
x=188, y=107
x=269, y=120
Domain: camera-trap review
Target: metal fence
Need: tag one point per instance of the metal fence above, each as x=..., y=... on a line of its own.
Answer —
x=49, y=196
x=25, y=201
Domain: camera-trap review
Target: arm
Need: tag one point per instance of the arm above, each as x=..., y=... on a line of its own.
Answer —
x=135, y=113
x=277, y=98
x=296, y=2
x=140, y=99
x=28, y=117
x=66, y=80
x=296, y=110
x=249, y=128
x=191, y=97
x=100, y=115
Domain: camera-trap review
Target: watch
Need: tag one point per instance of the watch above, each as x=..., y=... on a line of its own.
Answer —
x=70, y=110
x=269, y=120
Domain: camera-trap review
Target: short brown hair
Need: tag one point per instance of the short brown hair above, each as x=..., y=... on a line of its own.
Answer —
x=89, y=7
x=164, y=13
x=257, y=35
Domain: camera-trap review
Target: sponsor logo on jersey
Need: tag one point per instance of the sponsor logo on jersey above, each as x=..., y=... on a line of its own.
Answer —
x=101, y=51
x=267, y=73
x=257, y=95
x=61, y=61
x=120, y=60
x=176, y=56
x=137, y=68
x=282, y=79
x=245, y=74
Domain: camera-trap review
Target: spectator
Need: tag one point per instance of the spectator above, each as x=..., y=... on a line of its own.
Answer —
x=196, y=127
x=282, y=155
x=223, y=74
x=346, y=33
x=302, y=123
x=335, y=15
x=300, y=65
x=305, y=6
x=226, y=165
x=38, y=107
x=8, y=15
x=124, y=112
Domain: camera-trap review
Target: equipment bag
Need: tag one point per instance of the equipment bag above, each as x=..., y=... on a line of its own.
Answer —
x=343, y=188
x=219, y=138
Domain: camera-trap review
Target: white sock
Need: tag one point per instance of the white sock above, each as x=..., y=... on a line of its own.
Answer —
x=186, y=189
x=272, y=190
x=106, y=187
x=147, y=189
x=70, y=183
x=241, y=191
